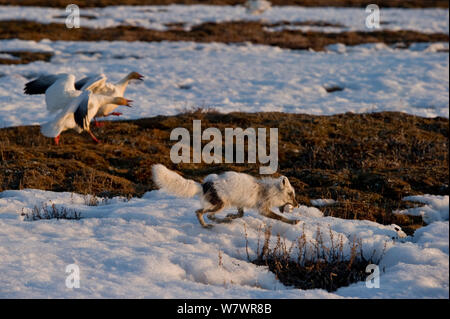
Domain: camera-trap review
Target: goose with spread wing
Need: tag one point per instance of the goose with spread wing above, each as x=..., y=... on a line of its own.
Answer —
x=80, y=105
x=110, y=89
x=59, y=91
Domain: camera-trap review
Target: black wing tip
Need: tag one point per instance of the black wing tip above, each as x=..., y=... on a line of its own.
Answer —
x=37, y=86
x=81, y=113
x=31, y=89
x=78, y=85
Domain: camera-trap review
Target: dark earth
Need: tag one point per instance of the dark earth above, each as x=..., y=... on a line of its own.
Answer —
x=367, y=162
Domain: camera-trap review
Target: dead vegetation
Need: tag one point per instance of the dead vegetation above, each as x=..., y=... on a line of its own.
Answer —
x=313, y=264
x=227, y=32
x=25, y=57
x=366, y=162
x=51, y=212
x=307, y=3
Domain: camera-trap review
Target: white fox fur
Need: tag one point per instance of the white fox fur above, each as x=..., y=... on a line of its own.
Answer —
x=230, y=189
x=173, y=183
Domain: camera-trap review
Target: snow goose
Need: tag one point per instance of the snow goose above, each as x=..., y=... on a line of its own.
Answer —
x=110, y=89
x=257, y=6
x=79, y=106
x=59, y=89
x=78, y=114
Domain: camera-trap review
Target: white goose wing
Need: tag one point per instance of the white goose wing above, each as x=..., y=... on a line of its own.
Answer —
x=73, y=116
x=80, y=83
x=61, y=92
x=95, y=83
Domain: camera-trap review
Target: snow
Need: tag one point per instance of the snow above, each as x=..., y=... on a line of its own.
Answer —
x=435, y=208
x=322, y=202
x=157, y=17
x=154, y=247
x=240, y=77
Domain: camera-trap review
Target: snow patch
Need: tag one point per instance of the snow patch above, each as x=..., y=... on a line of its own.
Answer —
x=244, y=78
x=435, y=208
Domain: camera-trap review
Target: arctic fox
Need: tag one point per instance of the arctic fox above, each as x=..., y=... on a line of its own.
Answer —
x=229, y=189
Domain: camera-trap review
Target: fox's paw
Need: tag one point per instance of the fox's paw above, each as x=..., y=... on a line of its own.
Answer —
x=227, y=219
x=208, y=226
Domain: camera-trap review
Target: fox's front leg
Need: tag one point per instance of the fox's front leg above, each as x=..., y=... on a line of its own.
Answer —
x=218, y=206
x=216, y=209
x=271, y=214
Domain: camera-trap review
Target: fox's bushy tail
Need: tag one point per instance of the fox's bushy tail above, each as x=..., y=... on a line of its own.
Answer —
x=172, y=183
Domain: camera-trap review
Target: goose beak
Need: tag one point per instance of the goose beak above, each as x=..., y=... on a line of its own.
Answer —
x=128, y=102
x=140, y=77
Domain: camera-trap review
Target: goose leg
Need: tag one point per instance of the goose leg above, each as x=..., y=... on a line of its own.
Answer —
x=115, y=113
x=57, y=140
x=98, y=124
x=93, y=137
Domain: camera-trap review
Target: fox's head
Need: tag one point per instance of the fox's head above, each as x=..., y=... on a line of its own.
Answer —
x=287, y=193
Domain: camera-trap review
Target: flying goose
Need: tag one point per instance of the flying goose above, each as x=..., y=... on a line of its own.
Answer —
x=110, y=89
x=59, y=91
x=80, y=105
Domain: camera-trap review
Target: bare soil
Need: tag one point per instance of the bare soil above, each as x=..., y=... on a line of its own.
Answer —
x=367, y=162
x=25, y=57
x=229, y=32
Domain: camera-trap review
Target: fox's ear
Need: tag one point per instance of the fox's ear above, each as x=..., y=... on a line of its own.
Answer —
x=283, y=181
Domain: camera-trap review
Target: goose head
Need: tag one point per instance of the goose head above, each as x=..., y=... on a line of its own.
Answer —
x=122, y=101
x=135, y=76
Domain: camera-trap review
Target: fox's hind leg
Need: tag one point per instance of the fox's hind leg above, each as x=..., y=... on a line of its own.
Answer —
x=239, y=214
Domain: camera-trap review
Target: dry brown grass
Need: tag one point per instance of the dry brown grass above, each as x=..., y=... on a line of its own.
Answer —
x=228, y=32
x=51, y=212
x=367, y=162
x=315, y=265
x=308, y=3
x=25, y=57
